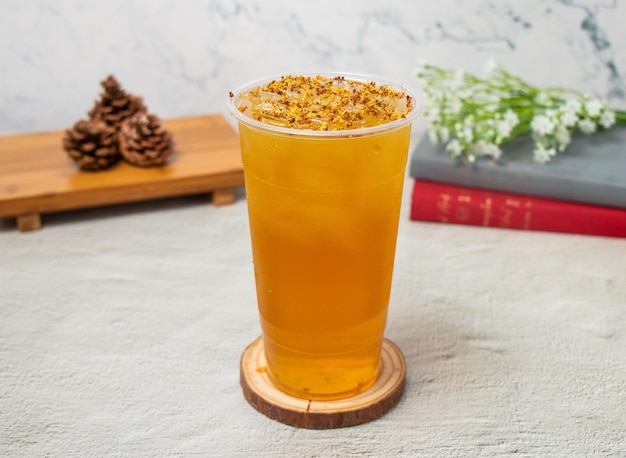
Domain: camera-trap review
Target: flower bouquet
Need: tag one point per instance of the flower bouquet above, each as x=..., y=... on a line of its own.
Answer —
x=473, y=116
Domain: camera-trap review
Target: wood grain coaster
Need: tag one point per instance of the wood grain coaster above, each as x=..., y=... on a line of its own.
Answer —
x=373, y=403
x=37, y=176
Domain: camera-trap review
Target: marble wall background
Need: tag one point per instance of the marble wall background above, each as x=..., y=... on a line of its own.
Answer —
x=184, y=57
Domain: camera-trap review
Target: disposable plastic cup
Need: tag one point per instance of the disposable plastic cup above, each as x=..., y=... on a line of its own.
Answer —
x=323, y=211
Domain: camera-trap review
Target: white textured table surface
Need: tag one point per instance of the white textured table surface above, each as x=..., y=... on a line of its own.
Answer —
x=121, y=330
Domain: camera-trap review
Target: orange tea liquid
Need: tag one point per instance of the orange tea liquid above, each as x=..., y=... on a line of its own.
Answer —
x=323, y=218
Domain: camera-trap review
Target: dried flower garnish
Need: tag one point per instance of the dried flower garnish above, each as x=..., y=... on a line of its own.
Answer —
x=325, y=103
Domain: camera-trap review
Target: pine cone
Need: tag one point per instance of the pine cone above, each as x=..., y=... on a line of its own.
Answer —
x=144, y=141
x=115, y=104
x=92, y=145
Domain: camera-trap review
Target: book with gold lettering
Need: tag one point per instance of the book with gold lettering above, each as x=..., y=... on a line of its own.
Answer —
x=443, y=203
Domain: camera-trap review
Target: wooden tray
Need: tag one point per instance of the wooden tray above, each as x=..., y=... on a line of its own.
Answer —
x=37, y=176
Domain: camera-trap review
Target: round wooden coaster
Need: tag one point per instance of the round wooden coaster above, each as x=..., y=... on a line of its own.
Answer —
x=261, y=393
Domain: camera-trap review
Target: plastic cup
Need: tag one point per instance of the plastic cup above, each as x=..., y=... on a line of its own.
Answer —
x=323, y=211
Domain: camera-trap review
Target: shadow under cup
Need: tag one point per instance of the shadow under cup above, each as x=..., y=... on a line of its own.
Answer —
x=323, y=210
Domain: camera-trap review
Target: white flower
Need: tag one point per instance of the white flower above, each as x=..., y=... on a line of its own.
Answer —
x=552, y=114
x=607, y=119
x=543, y=155
x=466, y=134
x=507, y=124
x=562, y=137
x=542, y=125
x=492, y=150
x=504, y=129
x=572, y=105
x=593, y=107
x=455, y=148
x=483, y=148
x=511, y=117
x=569, y=118
x=587, y=126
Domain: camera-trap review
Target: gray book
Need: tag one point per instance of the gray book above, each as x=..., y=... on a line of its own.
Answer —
x=592, y=169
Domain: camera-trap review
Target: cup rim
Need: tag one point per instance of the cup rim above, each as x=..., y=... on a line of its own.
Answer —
x=362, y=77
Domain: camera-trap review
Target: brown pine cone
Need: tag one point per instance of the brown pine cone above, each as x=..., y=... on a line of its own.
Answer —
x=144, y=141
x=92, y=145
x=115, y=104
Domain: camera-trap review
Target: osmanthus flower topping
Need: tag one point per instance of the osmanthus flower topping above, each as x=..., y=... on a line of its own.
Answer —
x=473, y=116
x=325, y=103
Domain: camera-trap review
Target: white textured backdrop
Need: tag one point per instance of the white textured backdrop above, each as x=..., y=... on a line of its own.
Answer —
x=184, y=57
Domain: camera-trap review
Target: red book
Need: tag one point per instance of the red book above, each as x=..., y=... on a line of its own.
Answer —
x=444, y=203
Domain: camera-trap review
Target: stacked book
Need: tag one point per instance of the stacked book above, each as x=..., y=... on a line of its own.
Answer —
x=581, y=190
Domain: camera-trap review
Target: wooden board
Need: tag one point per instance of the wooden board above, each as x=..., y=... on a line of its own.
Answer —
x=373, y=403
x=37, y=176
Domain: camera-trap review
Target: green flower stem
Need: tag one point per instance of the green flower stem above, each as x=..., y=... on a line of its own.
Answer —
x=620, y=116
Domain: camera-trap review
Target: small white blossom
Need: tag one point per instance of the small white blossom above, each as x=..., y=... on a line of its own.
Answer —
x=562, y=137
x=454, y=147
x=593, y=107
x=511, y=117
x=504, y=129
x=569, y=118
x=467, y=134
x=607, y=119
x=542, y=125
x=587, y=126
x=552, y=113
x=493, y=150
x=507, y=124
x=573, y=105
x=543, y=155
x=483, y=148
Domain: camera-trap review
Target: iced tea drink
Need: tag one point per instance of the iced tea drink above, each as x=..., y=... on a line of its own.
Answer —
x=324, y=160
